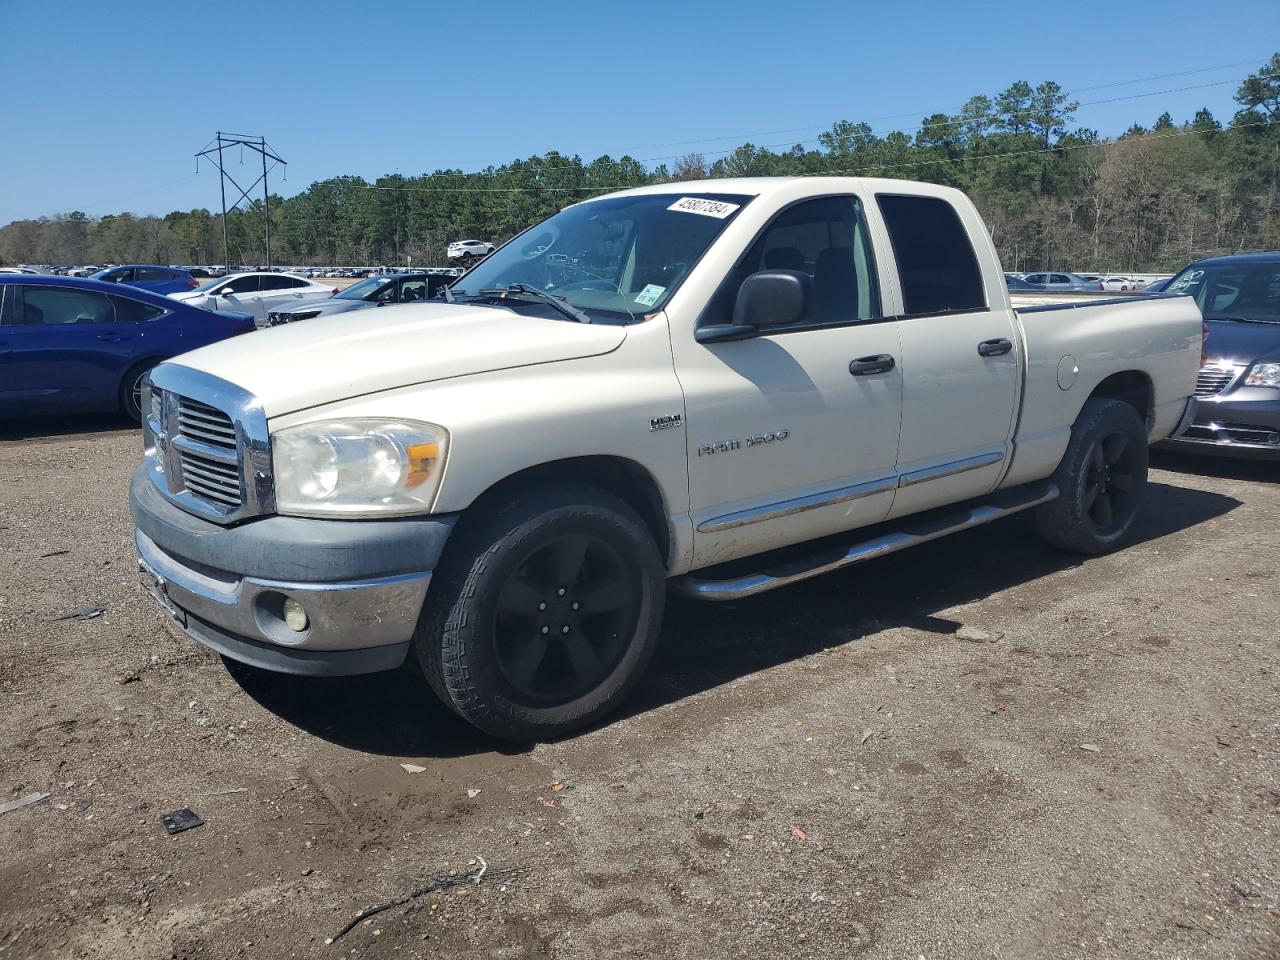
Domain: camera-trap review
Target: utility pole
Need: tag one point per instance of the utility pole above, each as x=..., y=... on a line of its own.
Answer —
x=214, y=150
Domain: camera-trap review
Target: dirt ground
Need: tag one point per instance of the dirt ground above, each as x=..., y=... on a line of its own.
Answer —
x=826, y=771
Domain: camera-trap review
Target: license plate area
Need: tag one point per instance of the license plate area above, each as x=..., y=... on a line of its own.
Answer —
x=159, y=589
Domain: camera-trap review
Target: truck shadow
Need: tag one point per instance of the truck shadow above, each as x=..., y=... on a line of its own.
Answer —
x=705, y=645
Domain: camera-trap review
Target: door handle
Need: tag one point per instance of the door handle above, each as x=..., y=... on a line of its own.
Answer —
x=994, y=348
x=111, y=337
x=865, y=366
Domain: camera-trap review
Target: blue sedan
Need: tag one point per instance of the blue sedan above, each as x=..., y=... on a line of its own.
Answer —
x=149, y=277
x=70, y=345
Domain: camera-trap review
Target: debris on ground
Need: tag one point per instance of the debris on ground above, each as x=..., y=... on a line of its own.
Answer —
x=437, y=883
x=799, y=834
x=996, y=710
x=87, y=612
x=180, y=820
x=53, y=553
x=473, y=793
x=412, y=768
x=867, y=733
x=1091, y=747
x=974, y=635
x=21, y=802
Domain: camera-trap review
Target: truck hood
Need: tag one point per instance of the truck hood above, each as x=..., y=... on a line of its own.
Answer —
x=301, y=365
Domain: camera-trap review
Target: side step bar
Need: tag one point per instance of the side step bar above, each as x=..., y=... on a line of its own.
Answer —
x=1004, y=504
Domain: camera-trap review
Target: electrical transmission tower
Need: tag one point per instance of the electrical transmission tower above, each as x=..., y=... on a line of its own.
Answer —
x=213, y=152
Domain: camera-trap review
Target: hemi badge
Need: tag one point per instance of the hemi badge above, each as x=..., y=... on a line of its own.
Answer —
x=667, y=422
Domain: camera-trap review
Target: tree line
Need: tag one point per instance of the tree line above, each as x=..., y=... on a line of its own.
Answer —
x=1055, y=195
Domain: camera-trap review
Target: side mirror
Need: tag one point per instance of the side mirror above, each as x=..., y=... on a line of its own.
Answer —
x=769, y=298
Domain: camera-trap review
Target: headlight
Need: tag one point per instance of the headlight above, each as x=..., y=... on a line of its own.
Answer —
x=358, y=467
x=1263, y=375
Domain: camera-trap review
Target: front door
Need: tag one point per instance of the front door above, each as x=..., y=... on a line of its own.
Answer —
x=785, y=441
x=961, y=359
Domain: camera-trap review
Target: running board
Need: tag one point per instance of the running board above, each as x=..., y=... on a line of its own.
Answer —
x=1004, y=504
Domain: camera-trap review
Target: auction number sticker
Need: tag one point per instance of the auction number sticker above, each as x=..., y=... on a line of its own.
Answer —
x=708, y=208
x=650, y=294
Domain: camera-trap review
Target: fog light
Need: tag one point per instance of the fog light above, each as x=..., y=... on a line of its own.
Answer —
x=294, y=616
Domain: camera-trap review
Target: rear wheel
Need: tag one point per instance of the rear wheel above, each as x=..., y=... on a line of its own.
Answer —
x=131, y=390
x=1101, y=480
x=544, y=614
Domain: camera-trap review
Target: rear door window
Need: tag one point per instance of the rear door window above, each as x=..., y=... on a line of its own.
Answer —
x=937, y=266
x=248, y=284
x=135, y=311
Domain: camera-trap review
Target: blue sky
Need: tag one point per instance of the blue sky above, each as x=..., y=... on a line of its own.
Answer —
x=106, y=103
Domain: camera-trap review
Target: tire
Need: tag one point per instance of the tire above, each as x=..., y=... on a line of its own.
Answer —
x=1100, y=479
x=131, y=390
x=544, y=613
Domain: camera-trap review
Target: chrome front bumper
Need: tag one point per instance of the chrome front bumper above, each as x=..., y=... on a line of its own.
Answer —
x=340, y=616
x=361, y=584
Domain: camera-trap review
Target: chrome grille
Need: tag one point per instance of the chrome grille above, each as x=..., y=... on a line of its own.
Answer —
x=199, y=421
x=1213, y=380
x=210, y=479
x=208, y=450
x=207, y=454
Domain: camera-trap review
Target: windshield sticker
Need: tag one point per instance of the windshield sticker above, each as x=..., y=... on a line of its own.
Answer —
x=650, y=294
x=708, y=208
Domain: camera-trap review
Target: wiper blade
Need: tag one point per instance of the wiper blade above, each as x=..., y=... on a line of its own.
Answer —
x=568, y=309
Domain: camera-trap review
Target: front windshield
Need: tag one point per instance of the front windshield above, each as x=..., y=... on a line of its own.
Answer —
x=618, y=256
x=361, y=290
x=1238, y=291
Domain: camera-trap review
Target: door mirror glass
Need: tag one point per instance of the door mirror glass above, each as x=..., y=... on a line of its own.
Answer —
x=771, y=298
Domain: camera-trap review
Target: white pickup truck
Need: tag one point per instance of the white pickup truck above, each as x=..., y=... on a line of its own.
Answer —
x=721, y=387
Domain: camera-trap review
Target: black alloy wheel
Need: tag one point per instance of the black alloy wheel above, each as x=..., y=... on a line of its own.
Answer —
x=562, y=619
x=1110, y=494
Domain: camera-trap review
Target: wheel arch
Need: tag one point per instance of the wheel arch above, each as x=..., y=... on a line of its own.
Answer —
x=1133, y=387
x=624, y=478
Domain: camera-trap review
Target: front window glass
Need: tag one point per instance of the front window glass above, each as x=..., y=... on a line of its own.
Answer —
x=826, y=240
x=1243, y=291
x=619, y=257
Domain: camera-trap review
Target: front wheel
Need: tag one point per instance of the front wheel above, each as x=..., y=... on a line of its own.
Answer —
x=1101, y=480
x=544, y=613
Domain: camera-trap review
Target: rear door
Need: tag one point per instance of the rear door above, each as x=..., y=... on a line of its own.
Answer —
x=70, y=350
x=961, y=357
x=281, y=291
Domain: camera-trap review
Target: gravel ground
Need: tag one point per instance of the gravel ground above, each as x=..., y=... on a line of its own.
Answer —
x=980, y=748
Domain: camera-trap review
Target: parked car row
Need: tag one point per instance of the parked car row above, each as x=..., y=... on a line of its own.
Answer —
x=1065, y=282
x=255, y=293
x=71, y=345
x=377, y=291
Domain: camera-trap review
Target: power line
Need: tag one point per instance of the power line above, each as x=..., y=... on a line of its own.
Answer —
x=916, y=113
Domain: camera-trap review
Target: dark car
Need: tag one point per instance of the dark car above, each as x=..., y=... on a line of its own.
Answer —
x=371, y=292
x=70, y=345
x=1238, y=389
x=149, y=277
